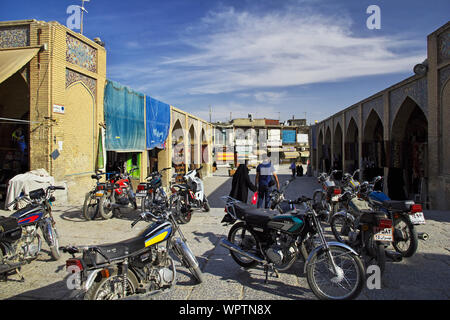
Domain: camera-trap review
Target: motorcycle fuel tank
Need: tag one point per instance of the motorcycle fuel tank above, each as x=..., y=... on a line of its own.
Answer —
x=157, y=232
x=286, y=223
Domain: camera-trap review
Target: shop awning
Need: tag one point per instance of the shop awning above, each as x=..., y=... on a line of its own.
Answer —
x=291, y=154
x=12, y=60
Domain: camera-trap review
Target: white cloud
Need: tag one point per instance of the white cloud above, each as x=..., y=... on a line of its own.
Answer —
x=241, y=50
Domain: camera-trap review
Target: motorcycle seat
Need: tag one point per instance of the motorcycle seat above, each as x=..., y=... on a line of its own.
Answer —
x=253, y=215
x=398, y=205
x=114, y=251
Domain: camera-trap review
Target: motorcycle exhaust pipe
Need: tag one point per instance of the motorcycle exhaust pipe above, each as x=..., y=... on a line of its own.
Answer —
x=423, y=236
x=231, y=246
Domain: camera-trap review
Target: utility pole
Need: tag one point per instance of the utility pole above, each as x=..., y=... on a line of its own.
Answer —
x=210, y=112
x=82, y=10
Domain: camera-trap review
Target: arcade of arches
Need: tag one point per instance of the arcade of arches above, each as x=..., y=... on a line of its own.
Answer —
x=401, y=133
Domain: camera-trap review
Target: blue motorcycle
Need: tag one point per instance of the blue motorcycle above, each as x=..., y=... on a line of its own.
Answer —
x=20, y=242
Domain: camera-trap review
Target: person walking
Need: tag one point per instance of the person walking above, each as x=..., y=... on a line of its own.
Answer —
x=241, y=183
x=264, y=173
x=292, y=167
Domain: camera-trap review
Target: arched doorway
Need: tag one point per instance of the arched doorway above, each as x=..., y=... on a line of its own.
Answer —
x=373, y=156
x=205, y=149
x=320, y=158
x=14, y=129
x=327, y=150
x=337, y=150
x=193, y=148
x=178, y=144
x=409, y=151
x=351, y=147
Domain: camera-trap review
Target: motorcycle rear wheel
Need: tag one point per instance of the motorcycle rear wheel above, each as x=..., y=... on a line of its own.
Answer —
x=406, y=246
x=244, y=238
x=347, y=284
x=105, y=210
x=111, y=288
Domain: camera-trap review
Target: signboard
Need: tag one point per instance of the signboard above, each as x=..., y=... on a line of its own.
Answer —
x=288, y=136
x=302, y=138
x=58, y=109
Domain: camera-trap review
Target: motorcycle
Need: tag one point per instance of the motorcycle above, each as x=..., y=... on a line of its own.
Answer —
x=370, y=232
x=197, y=197
x=91, y=205
x=140, y=265
x=120, y=197
x=20, y=242
x=265, y=237
x=326, y=198
x=405, y=215
x=152, y=193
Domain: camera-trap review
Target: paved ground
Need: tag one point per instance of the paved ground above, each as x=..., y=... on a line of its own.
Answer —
x=426, y=275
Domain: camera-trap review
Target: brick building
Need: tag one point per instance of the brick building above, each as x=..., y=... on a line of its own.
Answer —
x=52, y=85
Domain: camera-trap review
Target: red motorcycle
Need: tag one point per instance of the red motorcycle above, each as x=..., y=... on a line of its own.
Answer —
x=121, y=197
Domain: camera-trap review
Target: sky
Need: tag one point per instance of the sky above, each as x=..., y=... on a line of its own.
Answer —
x=269, y=58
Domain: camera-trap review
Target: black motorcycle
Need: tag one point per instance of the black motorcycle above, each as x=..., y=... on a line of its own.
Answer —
x=140, y=265
x=151, y=192
x=266, y=237
x=20, y=242
x=366, y=230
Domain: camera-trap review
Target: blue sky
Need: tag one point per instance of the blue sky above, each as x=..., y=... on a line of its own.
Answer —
x=273, y=59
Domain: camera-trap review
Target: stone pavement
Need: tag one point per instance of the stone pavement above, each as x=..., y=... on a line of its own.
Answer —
x=426, y=275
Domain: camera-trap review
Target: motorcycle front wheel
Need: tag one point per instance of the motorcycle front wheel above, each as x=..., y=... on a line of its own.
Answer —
x=54, y=249
x=346, y=283
x=111, y=288
x=188, y=259
x=341, y=228
x=90, y=206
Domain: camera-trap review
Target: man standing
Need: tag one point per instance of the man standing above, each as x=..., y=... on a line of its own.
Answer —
x=263, y=181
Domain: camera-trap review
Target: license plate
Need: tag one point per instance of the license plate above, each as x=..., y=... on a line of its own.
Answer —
x=385, y=234
x=417, y=218
x=99, y=194
x=141, y=193
x=335, y=198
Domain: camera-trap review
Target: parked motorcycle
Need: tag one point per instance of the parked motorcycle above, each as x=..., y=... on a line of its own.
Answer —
x=364, y=229
x=140, y=265
x=404, y=213
x=20, y=242
x=188, y=196
x=326, y=198
x=333, y=269
x=197, y=197
x=91, y=206
x=120, y=197
x=151, y=192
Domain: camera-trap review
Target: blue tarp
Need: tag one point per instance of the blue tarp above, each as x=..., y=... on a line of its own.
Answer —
x=157, y=122
x=289, y=136
x=124, y=118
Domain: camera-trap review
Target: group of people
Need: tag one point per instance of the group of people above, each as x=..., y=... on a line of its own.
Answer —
x=266, y=178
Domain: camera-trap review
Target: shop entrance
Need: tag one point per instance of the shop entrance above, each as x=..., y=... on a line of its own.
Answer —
x=14, y=129
x=409, y=149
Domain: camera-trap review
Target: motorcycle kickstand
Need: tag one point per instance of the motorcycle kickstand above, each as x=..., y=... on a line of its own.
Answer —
x=22, y=278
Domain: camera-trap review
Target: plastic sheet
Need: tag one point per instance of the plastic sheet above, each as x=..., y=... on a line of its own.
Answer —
x=124, y=118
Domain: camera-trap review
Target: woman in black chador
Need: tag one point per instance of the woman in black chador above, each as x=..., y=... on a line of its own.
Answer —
x=241, y=183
